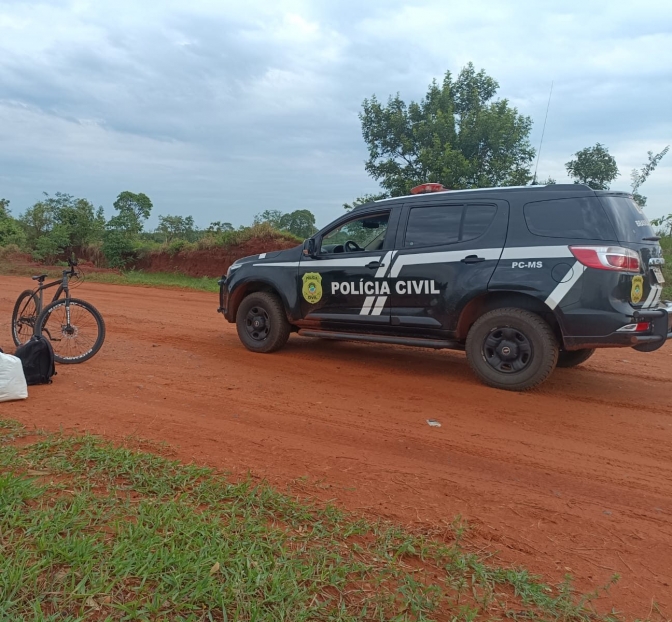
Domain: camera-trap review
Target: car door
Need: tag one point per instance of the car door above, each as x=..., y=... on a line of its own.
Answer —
x=446, y=255
x=341, y=286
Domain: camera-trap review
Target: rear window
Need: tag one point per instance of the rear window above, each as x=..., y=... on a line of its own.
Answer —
x=447, y=224
x=580, y=218
x=629, y=221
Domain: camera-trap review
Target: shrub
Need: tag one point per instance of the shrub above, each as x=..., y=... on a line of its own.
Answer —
x=118, y=249
x=176, y=246
x=9, y=249
x=11, y=232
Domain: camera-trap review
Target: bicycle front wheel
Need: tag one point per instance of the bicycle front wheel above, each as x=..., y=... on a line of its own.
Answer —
x=74, y=328
x=24, y=316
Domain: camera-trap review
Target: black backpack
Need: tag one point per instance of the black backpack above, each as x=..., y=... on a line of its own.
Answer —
x=37, y=358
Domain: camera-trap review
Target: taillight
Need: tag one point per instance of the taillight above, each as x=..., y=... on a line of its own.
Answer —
x=639, y=327
x=607, y=257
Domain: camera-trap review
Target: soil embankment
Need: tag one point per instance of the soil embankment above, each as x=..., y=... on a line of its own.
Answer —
x=211, y=262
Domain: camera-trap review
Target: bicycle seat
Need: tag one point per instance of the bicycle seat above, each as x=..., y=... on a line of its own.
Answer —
x=39, y=278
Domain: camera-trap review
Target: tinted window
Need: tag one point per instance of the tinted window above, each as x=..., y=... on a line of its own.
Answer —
x=447, y=224
x=364, y=234
x=580, y=218
x=629, y=221
x=477, y=219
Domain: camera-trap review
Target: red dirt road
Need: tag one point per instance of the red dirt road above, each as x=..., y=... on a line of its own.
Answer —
x=575, y=478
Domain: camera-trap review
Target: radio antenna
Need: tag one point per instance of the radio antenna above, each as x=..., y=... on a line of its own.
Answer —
x=543, y=131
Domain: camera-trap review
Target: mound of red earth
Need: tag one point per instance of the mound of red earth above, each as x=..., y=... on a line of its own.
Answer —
x=211, y=262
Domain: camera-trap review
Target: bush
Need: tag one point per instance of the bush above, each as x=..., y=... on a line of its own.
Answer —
x=176, y=246
x=118, y=249
x=11, y=232
x=9, y=249
x=51, y=245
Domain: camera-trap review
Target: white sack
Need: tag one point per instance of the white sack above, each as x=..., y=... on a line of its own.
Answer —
x=12, y=381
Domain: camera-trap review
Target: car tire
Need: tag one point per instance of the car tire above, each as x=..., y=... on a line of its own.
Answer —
x=572, y=358
x=261, y=323
x=511, y=349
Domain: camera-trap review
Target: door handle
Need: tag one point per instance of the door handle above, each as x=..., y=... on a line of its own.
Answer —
x=375, y=264
x=473, y=259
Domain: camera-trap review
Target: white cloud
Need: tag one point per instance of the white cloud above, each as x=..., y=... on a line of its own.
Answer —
x=196, y=104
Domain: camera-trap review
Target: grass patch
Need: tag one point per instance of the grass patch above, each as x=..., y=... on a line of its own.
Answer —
x=155, y=279
x=89, y=530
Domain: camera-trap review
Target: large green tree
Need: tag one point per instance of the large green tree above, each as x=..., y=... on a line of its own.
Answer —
x=122, y=230
x=593, y=166
x=132, y=211
x=300, y=223
x=458, y=135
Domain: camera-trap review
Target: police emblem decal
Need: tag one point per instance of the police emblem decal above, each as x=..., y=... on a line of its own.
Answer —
x=312, y=287
x=637, y=288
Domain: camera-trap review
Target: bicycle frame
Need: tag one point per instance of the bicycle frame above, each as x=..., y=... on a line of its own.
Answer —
x=64, y=283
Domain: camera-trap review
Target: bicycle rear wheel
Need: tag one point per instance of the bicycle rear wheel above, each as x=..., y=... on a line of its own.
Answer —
x=24, y=317
x=74, y=328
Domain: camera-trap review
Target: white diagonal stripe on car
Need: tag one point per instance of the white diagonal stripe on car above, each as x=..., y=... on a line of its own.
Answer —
x=653, y=297
x=562, y=289
x=366, y=307
x=380, y=303
x=387, y=260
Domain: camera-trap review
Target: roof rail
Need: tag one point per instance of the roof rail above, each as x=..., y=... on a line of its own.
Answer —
x=567, y=187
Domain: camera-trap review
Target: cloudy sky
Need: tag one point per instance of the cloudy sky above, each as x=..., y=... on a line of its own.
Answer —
x=222, y=109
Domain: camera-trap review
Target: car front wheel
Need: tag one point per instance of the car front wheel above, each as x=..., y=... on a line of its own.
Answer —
x=261, y=323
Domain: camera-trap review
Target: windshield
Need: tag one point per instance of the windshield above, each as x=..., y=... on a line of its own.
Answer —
x=629, y=220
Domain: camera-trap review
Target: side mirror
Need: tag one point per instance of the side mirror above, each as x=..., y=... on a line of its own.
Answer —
x=309, y=247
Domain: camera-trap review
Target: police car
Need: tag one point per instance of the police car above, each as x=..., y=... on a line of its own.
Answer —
x=521, y=278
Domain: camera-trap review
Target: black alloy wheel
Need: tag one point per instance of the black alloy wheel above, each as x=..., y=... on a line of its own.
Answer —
x=507, y=350
x=257, y=323
x=262, y=323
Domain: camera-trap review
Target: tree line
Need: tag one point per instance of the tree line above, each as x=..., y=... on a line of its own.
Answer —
x=60, y=224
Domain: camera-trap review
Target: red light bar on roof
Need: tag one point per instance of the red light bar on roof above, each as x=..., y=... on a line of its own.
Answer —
x=425, y=188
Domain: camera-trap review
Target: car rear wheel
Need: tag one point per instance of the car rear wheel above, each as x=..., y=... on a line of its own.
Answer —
x=261, y=323
x=511, y=349
x=572, y=358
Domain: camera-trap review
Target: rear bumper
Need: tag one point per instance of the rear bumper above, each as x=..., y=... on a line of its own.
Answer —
x=656, y=337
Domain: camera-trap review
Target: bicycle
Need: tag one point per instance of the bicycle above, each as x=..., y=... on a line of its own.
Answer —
x=74, y=327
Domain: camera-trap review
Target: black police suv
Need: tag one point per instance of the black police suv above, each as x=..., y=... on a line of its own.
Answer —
x=522, y=278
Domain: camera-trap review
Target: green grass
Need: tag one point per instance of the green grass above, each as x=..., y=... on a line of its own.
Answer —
x=155, y=279
x=93, y=531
